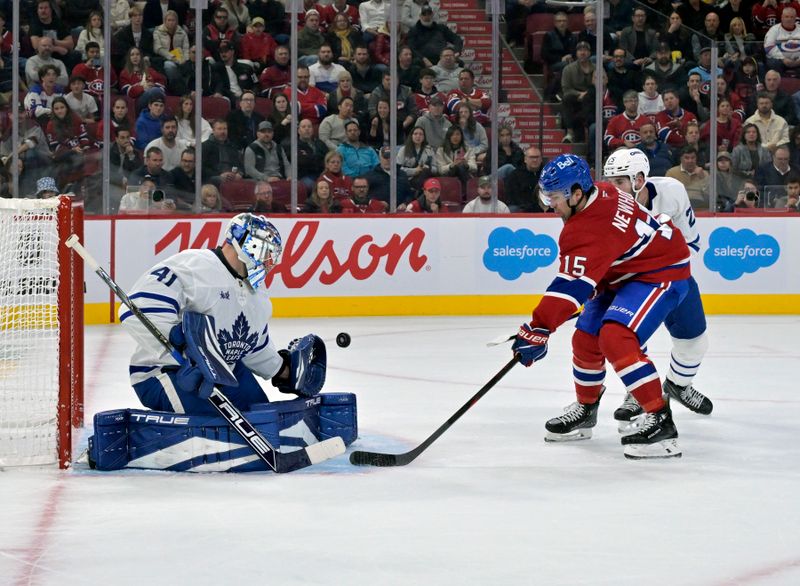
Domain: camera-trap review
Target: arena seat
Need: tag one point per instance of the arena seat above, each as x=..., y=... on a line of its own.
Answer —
x=214, y=108
x=239, y=194
x=264, y=106
x=451, y=192
x=282, y=193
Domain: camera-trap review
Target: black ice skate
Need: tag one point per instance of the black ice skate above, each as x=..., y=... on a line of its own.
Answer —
x=629, y=409
x=657, y=437
x=575, y=424
x=689, y=397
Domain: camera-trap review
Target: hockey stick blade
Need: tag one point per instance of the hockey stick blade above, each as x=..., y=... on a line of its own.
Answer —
x=500, y=340
x=362, y=458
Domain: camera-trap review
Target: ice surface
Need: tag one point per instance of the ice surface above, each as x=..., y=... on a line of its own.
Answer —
x=488, y=503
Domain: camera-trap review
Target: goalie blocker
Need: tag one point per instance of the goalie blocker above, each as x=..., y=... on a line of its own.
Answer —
x=137, y=438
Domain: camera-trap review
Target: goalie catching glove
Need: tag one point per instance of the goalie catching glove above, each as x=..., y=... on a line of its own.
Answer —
x=203, y=366
x=307, y=361
x=530, y=344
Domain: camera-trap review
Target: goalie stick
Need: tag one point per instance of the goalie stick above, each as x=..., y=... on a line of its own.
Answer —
x=360, y=458
x=313, y=454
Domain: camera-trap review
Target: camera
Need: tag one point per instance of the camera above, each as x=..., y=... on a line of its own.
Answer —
x=158, y=195
x=751, y=196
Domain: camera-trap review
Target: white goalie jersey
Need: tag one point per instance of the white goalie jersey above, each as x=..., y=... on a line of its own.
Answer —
x=198, y=280
x=668, y=196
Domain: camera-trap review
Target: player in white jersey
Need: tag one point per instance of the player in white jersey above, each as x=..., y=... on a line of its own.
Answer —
x=628, y=169
x=225, y=284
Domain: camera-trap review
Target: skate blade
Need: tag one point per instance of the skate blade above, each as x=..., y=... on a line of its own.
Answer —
x=663, y=449
x=578, y=434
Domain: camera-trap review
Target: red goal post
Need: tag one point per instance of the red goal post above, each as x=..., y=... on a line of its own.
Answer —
x=41, y=331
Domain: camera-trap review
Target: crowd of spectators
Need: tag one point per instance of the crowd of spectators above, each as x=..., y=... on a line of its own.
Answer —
x=343, y=94
x=659, y=79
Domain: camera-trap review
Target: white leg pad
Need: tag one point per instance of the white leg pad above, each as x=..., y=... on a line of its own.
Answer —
x=663, y=449
x=577, y=434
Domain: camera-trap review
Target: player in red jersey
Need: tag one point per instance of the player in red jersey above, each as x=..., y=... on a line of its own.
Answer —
x=629, y=272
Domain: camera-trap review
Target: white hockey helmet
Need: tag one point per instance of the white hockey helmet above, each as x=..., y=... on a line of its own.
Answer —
x=257, y=244
x=627, y=163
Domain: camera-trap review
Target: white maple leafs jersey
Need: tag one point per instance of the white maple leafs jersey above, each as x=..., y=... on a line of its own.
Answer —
x=198, y=280
x=668, y=196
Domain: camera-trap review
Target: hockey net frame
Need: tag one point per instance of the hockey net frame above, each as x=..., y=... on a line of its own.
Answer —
x=31, y=308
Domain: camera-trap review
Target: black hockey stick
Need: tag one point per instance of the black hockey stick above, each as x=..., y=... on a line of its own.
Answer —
x=276, y=460
x=360, y=458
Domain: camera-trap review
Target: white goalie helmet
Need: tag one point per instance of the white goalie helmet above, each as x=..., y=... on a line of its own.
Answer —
x=627, y=163
x=257, y=243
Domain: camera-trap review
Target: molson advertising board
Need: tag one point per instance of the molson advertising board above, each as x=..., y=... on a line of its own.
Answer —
x=458, y=265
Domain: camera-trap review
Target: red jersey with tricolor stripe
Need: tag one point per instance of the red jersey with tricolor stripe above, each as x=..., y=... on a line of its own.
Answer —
x=611, y=241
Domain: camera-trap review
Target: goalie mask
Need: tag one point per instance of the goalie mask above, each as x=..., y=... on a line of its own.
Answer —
x=257, y=244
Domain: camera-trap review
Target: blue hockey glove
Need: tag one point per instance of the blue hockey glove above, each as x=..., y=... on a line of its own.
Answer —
x=307, y=360
x=177, y=338
x=204, y=365
x=530, y=344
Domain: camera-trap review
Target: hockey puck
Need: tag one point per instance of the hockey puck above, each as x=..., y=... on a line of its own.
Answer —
x=343, y=340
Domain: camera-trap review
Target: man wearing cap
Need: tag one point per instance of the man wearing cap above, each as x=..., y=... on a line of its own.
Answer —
x=229, y=76
x=258, y=46
x=265, y=160
x=483, y=204
x=427, y=38
x=665, y=70
x=148, y=124
x=638, y=41
x=434, y=123
x=379, y=179
x=704, y=68
x=357, y=158
x=46, y=187
x=244, y=120
x=429, y=202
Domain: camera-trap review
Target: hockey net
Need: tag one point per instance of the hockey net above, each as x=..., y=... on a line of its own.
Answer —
x=41, y=331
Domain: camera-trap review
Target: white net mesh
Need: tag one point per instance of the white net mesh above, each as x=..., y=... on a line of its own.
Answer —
x=29, y=332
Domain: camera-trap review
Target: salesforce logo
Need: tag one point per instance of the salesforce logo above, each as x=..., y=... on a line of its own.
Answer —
x=732, y=254
x=512, y=253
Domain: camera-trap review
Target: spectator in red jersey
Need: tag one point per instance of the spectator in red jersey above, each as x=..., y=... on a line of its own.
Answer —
x=139, y=82
x=313, y=102
x=331, y=11
x=360, y=202
x=623, y=129
x=341, y=184
x=278, y=75
x=92, y=72
x=724, y=93
x=729, y=127
x=671, y=123
x=343, y=38
x=475, y=97
x=427, y=90
x=218, y=30
x=430, y=201
x=258, y=46
x=68, y=140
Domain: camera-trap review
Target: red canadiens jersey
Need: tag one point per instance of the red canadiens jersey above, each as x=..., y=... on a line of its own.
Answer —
x=621, y=128
x=613, y=240
x=341, y=185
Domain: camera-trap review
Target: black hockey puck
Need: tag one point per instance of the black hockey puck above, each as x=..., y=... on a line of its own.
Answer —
x=343, y=340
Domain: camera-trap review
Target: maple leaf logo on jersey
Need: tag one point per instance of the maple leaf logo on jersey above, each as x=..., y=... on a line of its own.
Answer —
x=238, y=342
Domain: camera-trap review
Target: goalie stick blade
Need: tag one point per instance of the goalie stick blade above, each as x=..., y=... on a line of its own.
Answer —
x=310, y=455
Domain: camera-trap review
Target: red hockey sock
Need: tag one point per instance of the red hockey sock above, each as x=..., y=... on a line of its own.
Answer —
x=588, y=367
x=621, y=348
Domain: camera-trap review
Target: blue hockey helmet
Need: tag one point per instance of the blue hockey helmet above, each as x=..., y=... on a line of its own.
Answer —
x=257, y=244
x=561, y=175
